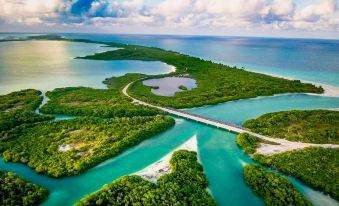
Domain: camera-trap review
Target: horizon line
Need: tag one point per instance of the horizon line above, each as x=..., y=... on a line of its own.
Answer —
x=162, y=34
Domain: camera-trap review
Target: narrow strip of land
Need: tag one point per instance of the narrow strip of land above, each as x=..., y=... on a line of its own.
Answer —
x=284, y=145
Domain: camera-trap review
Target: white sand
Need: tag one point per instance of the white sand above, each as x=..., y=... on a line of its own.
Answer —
x=285, y=145
x=64, y=148
x=329, y=90
x=333, y=109
x=154, y=171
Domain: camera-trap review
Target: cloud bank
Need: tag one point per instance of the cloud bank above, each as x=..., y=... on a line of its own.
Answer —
x=276, y=15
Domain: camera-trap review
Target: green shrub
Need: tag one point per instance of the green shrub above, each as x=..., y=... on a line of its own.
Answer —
x=16, y=191
x=275, y=189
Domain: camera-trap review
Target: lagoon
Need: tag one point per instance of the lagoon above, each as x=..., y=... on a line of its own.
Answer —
x=168, y=86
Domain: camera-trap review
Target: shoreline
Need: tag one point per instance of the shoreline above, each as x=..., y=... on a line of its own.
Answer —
x=329, y=90
x=161, y=167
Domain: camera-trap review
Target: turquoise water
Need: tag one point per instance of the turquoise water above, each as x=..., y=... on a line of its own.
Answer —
x=239, y=111
x=222, y=159
x=46, y=65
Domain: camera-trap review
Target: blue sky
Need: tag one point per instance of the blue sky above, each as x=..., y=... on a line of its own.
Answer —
x=276, y=18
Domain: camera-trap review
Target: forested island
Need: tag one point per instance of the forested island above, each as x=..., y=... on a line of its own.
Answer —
x=313, y=126
x=185, y=185
x=17, y=108
x=68, y=147
x=17, y=191
x=274, y=188
x=315, y=166
x=105, y=103
x=216, y=82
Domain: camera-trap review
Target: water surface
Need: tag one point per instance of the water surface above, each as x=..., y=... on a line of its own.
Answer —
x=45, y=65
x=168, y=86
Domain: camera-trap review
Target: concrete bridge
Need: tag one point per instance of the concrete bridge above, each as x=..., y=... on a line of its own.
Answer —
x=224, y=125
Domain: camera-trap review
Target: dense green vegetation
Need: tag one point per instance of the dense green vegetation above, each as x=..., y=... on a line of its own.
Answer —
x=16, y=191
x=250, y=143
x=27, y=100
x=216, y=82
x=82, y=101
x=185, y=185
x=274, y=188
x=317, y=167
x=182, y=87
x=120, y=82
x=18, y=108
x=68, y=147
x=315, y=126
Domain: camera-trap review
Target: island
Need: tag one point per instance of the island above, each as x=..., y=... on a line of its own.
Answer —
x=69, y=147
x=274, y=188
x=316, y=164
x=17, y=191
x=185, y=185
x=311, y=126
x=216, y=82
x=18, y=108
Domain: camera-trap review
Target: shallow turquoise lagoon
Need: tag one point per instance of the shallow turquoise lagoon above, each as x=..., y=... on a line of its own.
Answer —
x=46, y=65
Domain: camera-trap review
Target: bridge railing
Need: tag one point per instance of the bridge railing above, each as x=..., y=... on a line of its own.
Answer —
x=206, y=118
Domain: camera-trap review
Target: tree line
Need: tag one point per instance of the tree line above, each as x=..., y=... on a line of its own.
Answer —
x=274, y=188
x=14, y=190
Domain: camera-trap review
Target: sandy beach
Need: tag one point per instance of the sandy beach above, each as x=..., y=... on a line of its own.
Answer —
x=154, y=171
x=285, y=145
x=329, y=90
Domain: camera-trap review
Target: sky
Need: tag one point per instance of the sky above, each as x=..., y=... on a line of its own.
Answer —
x=272, y=18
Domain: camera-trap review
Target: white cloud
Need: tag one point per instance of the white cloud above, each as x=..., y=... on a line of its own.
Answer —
x=283, y=7
x=29, y=11
x=266, y=14
x=314, y=12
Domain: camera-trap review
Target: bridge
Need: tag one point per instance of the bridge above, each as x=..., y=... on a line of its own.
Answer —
x=224, y=125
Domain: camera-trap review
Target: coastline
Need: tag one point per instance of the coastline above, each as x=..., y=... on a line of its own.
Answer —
x=329, y=90
x=161, y=167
